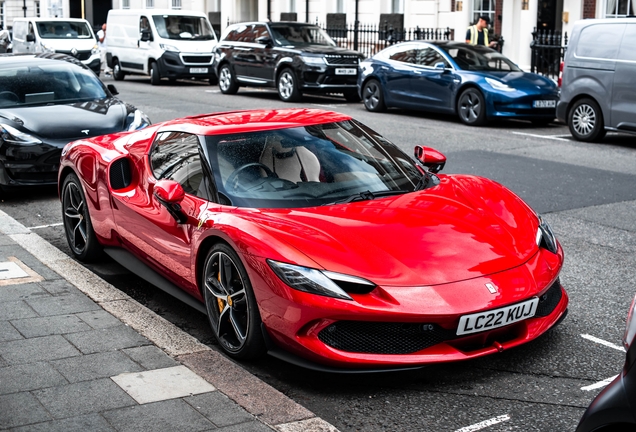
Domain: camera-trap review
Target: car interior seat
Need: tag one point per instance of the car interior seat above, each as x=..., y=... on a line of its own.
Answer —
x=290, y=162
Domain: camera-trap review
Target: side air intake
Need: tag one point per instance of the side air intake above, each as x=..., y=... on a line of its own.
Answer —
x=120, y=175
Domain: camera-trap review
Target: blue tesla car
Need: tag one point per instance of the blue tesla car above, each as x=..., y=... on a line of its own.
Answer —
x=475, y=82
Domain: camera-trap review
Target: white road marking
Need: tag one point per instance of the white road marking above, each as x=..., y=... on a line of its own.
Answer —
x=46, y=226
x=599, y=384
x=213, y=91
x=552, y=137
x=485, y=424
x=602, y=342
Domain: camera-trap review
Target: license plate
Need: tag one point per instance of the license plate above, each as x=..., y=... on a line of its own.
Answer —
x=198, y=70
x=346, y=71
x=544, y=104
x=495, y=318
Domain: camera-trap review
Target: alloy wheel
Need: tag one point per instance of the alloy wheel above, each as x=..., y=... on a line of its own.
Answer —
x=225, y=79
x=584, y=119
x=371, y=96
x=470, y=107
x=74, y=218
x=286, y=85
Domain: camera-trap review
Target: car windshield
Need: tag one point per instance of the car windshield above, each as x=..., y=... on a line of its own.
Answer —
x=55, y=82
x=299, y=35
x=64, y=30
x=183, y=27
x=477, y=58
x=308, y=166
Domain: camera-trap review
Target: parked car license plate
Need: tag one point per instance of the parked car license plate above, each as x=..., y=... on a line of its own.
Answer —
x=198, y=70
x=346, y=71
x=544, y=104
x=495, y=318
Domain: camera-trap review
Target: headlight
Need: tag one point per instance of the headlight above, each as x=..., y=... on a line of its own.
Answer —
x=313, y=61
x=12, y=135
x=95, y=50
x=498, y=85
x=630, y=329
x=324, y=283
x=545, y=236
x=137, y=120
x=167, y=47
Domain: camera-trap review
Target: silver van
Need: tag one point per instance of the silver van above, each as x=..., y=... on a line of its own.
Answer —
x=598, y=91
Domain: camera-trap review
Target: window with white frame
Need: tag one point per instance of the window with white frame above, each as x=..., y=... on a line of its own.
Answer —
x=150, y=4
x=2, y=14
x=483, y=7
x=340, y=4
x=397, y=6
x=176, y=4
x=125, y=4
x=292, y=5
x=37, y=8
x=620, y=8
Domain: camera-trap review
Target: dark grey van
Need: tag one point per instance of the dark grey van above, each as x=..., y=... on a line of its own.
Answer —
x=598, y=92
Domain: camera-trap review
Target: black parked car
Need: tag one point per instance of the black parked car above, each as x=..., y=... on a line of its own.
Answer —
x=293, y=57
x=46, y=101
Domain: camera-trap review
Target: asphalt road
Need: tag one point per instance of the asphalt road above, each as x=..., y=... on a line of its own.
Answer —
x=585, y=190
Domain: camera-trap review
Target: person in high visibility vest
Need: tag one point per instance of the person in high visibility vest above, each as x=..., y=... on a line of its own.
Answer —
x=478, y=34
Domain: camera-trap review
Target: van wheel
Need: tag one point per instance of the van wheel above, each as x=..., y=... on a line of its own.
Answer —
x=155, y=78
x=287, y=86
x=585, y=121
x=118, y=74
x=227, y=81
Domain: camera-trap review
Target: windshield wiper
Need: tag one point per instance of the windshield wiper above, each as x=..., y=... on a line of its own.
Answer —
x=367, y=195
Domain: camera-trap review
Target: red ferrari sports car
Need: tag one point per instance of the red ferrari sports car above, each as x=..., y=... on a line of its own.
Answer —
x=305, y=234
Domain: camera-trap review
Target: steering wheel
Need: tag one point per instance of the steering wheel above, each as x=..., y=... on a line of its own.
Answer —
x=9, y=96
x=232, y=179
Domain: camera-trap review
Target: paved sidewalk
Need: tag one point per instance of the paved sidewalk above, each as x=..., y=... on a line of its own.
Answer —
x=76, y=354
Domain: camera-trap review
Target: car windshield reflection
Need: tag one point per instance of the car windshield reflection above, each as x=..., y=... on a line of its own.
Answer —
x=308, y=166
x=476, y=58
x=300, y=35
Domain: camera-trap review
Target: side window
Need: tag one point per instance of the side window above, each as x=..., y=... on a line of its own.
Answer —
x=428, y=57
x=600, y=41
x=259, y=31
x=627, y=51
x=245, y=34
x=404, y=55
x=175, y=156
x=231, y=36
x=144, y=25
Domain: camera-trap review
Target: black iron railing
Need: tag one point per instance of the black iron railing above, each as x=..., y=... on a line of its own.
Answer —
x=548, y=48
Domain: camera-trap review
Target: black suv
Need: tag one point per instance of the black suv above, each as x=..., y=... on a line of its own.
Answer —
x=293, y=57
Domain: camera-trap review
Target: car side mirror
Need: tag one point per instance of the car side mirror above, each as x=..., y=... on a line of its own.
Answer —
x=430, y=158
x=264, y=40
x=30, y=38
x=145, y=36
x=112, y=89
x=441, y=66
x=170, y=194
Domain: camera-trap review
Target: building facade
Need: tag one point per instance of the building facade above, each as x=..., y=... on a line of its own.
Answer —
x=514, y=20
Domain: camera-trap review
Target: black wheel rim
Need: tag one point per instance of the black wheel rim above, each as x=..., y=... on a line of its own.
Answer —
x=75, y=218
x=371, y=95
x=226, y=301
x=470, y=107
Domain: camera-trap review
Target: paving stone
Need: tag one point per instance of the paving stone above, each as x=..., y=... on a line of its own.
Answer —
x=98, y=319
x=3, y=363
x=15, y=310
x=219, y=409
x=84, y=423
x=83, y=398
x=62, y=305
x=23, y=291
x=32, y=376
x=59, y=287
x=252, y=426
x=162, y=384
x=109, y=339
x=58, y=324
x=173, y=415
x=151, y=357
x=93, y=366
x=20, y=409
x=8, y=332
x=37, y=349
x=29, y=260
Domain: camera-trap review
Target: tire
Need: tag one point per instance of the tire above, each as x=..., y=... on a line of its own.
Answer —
x=373, y=97
x=155, y=77
x=118, y=74
x=229, y=299
x=585, y=120
x=287, y=86
x=352, y=96
x=77, y=221
x=227, y=80
x=471, y=107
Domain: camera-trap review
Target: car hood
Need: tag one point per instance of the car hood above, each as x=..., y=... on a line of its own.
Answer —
x=82, y=119
x=523, y=80
x=323, y=49
x=463, y=228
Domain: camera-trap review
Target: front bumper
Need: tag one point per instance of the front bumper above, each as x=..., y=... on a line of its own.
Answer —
x=408, y=326
x=519, y=105
x=175, y=65
x=562, y=111
x=325, y=79
x=31, y=165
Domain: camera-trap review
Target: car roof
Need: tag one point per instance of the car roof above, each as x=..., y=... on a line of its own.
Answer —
x=41, y=19
x=251, y=121
x=34, y=59
x=273, y=23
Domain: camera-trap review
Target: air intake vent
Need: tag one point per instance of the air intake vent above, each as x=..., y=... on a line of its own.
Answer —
x=120, y=174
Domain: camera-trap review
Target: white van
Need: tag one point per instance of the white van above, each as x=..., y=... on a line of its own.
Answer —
x=160, y=43
x=72, y=36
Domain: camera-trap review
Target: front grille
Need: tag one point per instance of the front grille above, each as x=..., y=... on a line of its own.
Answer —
x=342, y=60
x=197, y=59
x=80, y=55
x=383, y=337
x=549, y=300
